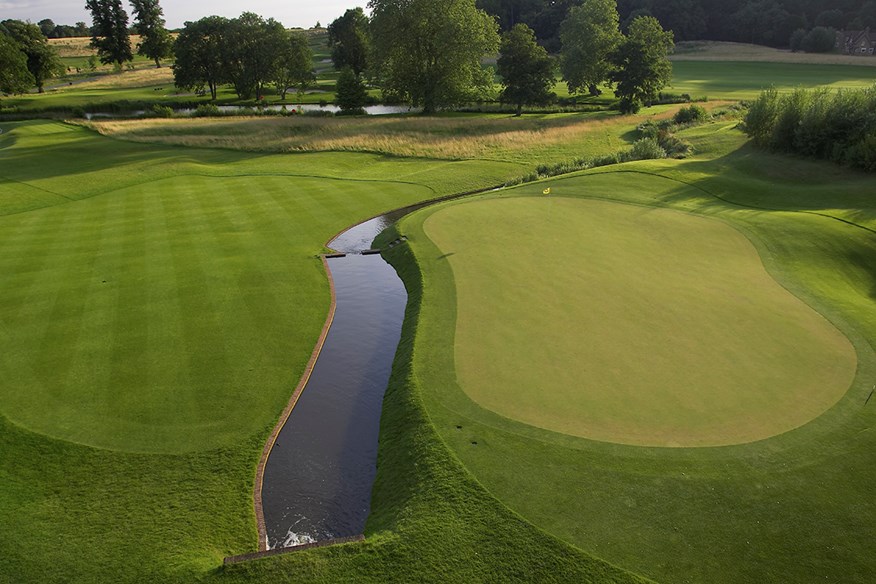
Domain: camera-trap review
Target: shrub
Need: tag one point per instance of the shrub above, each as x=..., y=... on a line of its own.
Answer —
x=761, y=117
x=863, y=153
x=207, y=110
x=628, y=105
x=159, y=111
x=649, y=129
x=690, y=115
x=675, y=147
x=644, y=149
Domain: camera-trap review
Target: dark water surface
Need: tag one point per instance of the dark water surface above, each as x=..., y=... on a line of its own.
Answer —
x=318, y=479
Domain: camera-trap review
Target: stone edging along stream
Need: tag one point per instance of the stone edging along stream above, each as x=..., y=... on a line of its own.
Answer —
x=302, y=383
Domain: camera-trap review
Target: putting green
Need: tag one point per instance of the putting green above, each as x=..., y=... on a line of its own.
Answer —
x=631, y=324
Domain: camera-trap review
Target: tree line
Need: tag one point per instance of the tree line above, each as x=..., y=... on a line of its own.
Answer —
x=430, y=55
x=768, y=22
x=248, y=53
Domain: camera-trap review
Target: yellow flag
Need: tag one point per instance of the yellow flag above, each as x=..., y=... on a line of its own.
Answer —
x=547, y=191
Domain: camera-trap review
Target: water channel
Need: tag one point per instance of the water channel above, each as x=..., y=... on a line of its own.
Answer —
x=374, y=110
x=318, y=477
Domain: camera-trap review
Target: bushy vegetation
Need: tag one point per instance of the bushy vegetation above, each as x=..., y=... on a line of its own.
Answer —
x=818, y=40
x=837, y=126
x=691, y=114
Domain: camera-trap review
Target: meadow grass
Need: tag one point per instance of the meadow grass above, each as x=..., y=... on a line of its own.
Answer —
x=553, y=293
x=794, y=507
x=527, y=140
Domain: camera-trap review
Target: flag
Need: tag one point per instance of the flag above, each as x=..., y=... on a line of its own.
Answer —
x=547, y=191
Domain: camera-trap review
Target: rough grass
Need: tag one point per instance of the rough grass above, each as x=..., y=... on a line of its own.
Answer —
x=628, y=324
x=795, y=507
x=527, y=140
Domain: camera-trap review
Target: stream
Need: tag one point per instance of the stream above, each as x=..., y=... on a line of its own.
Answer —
x=319, y=475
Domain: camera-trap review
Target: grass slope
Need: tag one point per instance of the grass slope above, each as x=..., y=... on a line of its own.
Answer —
x=795, y=507
x=629, y=324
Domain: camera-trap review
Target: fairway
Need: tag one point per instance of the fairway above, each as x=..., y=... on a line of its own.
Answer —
x=143, y=320
x=630, y=324
x=745, y=80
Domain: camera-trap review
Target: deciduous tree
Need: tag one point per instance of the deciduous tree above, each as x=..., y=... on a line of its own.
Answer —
x=110, y=31
x=589, y=35
x=155, y=42
x=642, y=66
x=526, y=69
x=198, y=50
x=251, y=51
x=429, y=53
x=294, y=65
x=14, y=76
x=348, y=39
x=42, y=59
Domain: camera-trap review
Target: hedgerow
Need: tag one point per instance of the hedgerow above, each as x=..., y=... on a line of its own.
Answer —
x=830, y=125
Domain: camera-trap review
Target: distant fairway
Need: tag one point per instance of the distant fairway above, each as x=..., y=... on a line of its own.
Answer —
x=632, y=325
x=745, y=80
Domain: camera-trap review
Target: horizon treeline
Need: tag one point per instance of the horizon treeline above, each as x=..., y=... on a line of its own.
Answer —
x=766, y=22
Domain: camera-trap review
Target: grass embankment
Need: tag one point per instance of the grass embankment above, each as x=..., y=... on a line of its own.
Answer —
x=158, y=304
x=794, y=507
x=634, y=325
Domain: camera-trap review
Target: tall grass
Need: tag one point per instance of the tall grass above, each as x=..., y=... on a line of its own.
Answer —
x=532, y=140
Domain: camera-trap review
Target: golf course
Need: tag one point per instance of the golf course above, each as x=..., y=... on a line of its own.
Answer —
x=644, y=371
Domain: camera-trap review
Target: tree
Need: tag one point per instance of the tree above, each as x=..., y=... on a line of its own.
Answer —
x=110, y=31
x=348, y=39
x=589, y=35
x=796, y=42
x=762, y=22
x=819, y=40
x=685, y=18
x=14, y=76
x=831, y=19
x=250, y=53
x=526, y=69
x=198, y=50
x=642, y=67
x=429, y=53
x=294, y=65
x=350, y=94
x=47, y=27
x=155, y=42
x=42, y=59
